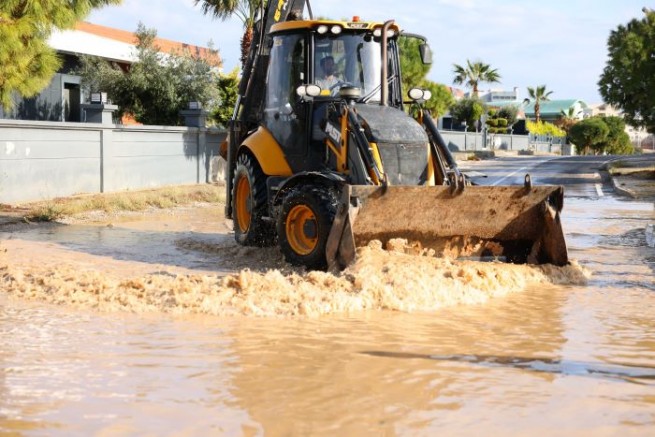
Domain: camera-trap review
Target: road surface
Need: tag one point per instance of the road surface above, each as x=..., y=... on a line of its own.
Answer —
x=130, y=328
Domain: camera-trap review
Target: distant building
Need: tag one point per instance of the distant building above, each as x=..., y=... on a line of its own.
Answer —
x=551, y=110
x=61, y=100
x=499, y=96
x=603, y=109
x=457, y=93
x=647, y=145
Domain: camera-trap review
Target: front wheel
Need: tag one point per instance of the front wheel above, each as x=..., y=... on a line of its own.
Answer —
x=249, y=204
x=304, y=224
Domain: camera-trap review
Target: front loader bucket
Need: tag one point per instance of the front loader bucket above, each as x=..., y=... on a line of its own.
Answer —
x=510, y=223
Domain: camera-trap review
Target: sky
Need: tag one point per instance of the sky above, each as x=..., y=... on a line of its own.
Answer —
x=561, y=44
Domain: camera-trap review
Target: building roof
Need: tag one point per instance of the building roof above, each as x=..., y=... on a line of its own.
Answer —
x=456, y=92
x=118, y=45
x=553, y=107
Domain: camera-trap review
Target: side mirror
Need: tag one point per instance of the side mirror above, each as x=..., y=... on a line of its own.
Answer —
x=426, y=53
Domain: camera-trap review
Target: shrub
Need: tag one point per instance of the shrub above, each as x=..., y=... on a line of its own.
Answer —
x=544, y=128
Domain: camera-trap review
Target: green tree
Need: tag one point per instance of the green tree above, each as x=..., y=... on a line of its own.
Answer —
x=538, y=94
x=228, y=90
x=509, y=113
x=628, y=79
x=473, y=74
x=496, y=124
x=567, y=119
x=246, y=10
x=414, y=73
x=27, y=63
x=414, y=70
x=468, y=110
x=157, y=86
x=617, y=141
x=588, y=134
x=441, y=100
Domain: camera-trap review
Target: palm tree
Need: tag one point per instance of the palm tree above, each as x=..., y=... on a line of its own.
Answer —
x=246, y=10
x=475, y=73
x=570, y=113
x=567, y=119
x=538, y=94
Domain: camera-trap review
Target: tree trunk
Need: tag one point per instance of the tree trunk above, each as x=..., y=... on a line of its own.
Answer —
x=246, y=42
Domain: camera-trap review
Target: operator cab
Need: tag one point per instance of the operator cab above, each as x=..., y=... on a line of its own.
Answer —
x=343, y=60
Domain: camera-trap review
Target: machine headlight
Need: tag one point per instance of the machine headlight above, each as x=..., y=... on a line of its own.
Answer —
x=377, y=32
x=313, y=90
x=322, y=29
x=309, y=90
x=419, y=95
x=336, y=29
x=415, y=94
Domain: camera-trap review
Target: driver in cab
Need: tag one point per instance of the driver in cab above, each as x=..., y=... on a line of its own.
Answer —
x=328, y=77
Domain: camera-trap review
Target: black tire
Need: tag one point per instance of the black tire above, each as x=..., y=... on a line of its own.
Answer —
x=304, y=224
x=250, y=204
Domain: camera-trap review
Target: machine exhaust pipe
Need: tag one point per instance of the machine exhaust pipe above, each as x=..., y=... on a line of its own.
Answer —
x=384, y=86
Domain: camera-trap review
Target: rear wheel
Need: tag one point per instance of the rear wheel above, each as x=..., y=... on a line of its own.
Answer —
x=249, y=204
x=304, y=224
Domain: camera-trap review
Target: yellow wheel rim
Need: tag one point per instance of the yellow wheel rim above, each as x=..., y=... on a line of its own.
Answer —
x=243, y=207
x=302, y=229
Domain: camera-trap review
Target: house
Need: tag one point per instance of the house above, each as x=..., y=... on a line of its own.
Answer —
x=457, y=93
x=647, y=144
x=551, y=110
x=492, y=97
x=61, y=100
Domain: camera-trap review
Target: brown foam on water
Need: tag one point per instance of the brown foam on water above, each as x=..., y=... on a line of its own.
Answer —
x=401, y=278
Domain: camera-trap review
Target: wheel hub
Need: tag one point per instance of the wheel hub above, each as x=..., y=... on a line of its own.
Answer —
x=302, y=229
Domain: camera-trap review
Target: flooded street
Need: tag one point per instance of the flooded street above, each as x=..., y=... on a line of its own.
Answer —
x=137, y=327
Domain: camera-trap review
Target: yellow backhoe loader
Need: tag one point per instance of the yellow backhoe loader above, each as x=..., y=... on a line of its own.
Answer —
x=323, y=155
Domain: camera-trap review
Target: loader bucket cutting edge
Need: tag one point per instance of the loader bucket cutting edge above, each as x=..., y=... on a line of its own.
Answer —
x=508, y=223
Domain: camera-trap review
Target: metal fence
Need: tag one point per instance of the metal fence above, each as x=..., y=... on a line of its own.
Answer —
x=459, y=141
x=473, y=141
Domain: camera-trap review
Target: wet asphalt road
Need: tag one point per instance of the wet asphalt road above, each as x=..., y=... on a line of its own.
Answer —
x=581, y=176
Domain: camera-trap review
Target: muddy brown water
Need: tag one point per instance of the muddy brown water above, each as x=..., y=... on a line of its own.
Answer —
x=160, y=325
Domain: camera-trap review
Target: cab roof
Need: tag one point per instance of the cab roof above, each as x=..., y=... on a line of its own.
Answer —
x=346, y=25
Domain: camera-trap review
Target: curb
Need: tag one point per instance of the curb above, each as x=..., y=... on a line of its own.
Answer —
x=622, y=191
x=609, y=164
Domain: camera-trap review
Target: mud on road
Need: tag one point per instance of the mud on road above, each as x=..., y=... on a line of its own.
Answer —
x=185, y=260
